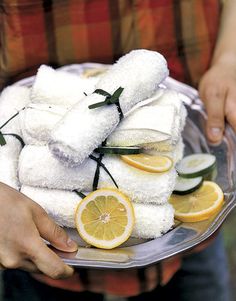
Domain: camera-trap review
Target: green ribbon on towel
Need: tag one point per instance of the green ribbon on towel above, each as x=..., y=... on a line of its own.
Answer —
x=111, y=99
x=16, y=136
x=2, y=140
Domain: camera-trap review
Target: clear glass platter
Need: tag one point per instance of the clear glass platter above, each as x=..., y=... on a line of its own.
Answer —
x=184, y=236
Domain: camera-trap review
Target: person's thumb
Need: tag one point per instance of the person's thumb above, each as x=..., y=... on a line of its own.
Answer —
x=54, y=234
x=214, y=103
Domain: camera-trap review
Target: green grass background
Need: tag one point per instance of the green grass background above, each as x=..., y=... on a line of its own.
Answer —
x=229, y=231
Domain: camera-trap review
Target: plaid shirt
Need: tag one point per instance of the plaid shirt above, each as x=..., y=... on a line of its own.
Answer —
x=122, y=283
x=59, y=32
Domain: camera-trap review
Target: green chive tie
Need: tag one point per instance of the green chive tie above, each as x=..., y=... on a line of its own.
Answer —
x=2, y=140
x=109, y=100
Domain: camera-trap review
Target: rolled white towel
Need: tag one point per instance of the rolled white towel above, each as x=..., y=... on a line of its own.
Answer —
x=148, y=124
x=82, y=129
x=166, y=99
x=37, y=120
x=156, y=125
x=145, y=125
x=12, y=100
x=170, y=98
x=9, y=155
x=59, y=204
x=169, y=145
x=38, y=168
x=60, y=87
x=151, y=221
x=176, y=154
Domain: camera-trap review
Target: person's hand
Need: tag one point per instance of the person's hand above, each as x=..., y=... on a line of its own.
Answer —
x=217, y=89
x=22, y=222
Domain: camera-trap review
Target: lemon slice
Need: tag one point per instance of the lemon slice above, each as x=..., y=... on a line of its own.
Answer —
x=148, y=163
x=198, y=205
x=94, y=72
x=105, y=218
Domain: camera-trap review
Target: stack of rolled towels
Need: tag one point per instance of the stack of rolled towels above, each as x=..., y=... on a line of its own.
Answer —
x=60, y=132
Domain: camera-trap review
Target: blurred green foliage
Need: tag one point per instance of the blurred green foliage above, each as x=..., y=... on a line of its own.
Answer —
x=229, y=231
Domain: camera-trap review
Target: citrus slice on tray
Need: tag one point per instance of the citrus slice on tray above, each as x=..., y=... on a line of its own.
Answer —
x=92, y=72
x=148, y=163
x=198, y=205
x=105, y=218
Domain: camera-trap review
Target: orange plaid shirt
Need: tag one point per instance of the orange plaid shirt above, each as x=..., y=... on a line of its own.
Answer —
x=59, y=32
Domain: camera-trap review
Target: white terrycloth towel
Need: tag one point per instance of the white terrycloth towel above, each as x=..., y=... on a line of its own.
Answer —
x=176, y=154
x=166, y=97
x=37, y=121
x=156, y=125
x=38, y=168
x=170, y=98
x=148, y=124
x=82, y=129
x=9, y=155
x=59, y=204
x=151, y=221
x=12, y=100
x=145, y=125
x=60, y=87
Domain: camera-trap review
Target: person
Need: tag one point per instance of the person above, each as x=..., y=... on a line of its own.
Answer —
x=197, y=39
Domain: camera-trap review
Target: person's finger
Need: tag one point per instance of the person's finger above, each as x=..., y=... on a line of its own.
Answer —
x=29, y=266
x=16, y=260
x=230, y=108
x=214, y=99
x=48, y=262
x=54, y=234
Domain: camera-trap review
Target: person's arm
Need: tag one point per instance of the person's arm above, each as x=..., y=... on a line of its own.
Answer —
x=217, y=87
x=22, y=224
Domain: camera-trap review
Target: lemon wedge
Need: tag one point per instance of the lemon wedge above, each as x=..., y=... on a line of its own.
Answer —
x=94, y=72
x=105, y=218
x=198, y=205
x=148, y=163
